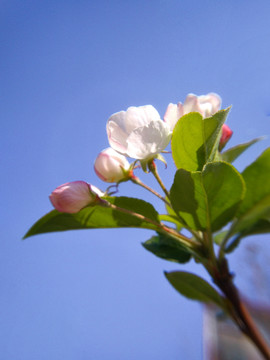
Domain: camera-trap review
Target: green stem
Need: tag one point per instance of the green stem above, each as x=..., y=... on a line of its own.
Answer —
x=189, y=243
x=153, y=170
x=137, y=181
x=237, y=309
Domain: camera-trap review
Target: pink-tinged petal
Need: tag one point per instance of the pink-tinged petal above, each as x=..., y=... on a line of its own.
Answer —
x=210, y=103
x=191, y=104
x=173, y=114
x=225, y=136
x=73, y=196
x=109, y=165
x=206, y=105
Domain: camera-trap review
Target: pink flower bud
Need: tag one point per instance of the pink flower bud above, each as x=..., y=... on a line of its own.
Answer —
x=225, y=136
x=73, y=196
x=110, y=166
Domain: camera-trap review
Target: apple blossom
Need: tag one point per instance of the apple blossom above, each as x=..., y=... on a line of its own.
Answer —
x=226, y=134
x=110, y=166
x=138, y=132
x=73, y=196
x=206, y=105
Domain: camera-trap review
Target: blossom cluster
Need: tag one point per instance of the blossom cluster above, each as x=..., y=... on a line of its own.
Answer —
x=140, y=134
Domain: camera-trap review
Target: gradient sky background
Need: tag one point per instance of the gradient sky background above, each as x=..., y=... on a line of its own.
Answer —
x=66, y=66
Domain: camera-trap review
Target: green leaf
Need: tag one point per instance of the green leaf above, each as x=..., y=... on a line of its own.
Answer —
x=172, y=219
x=167, y=248
x=219, y=237
x=231, y=154
x=195, y=140
x=207, y=199
x=256, y=204
x=262, y=226
x=194, y=287
x=98, y=217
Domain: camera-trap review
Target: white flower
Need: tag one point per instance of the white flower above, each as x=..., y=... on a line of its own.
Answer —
x=73, y=196
x=138, y=132
x=110, y=166
x=206, y=105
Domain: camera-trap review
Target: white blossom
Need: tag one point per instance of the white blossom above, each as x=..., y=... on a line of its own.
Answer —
x=138, y=132
x=206, y=105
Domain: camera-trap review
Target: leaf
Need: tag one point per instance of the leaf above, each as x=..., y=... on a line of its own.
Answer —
x=256, y=204
x=98, y=217
x=167, y=248
x=207, y=199
x=262, y=226
x=219, y=237
x=195, y=140
x=231, y=154
x=172, y=219
x=194, y=287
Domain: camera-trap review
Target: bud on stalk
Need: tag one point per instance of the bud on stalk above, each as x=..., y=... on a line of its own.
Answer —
x=110, y=166
x=225, y=136
x=73, y=196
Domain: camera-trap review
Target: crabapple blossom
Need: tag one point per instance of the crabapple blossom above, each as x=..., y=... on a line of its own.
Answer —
x=110, y=166
x=138, y=132
x=71, y=197
x=206, y=105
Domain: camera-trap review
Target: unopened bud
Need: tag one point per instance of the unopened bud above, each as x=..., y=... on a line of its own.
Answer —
x=225, y=136
x=110, y=166
x=74, y=196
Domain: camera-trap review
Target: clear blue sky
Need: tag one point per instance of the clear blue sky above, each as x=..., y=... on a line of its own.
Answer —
x=65, y=67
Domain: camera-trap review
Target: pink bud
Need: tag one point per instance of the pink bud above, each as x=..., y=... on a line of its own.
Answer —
x=225, y=136
x=110, y=166
x=73, y=196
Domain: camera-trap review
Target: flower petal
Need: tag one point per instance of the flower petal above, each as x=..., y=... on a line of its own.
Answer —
x=173, y=114
x=116, y=131
x=147, y=141
x=140, y=116
x=191, y=104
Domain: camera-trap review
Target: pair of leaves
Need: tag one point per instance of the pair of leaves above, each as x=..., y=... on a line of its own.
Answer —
x=207, y=199
x=97, y=216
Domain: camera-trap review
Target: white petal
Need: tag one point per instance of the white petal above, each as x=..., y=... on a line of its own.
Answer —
x=191, y=104
x=147, y=141
x=173, y=114
x=210, y=102
x=150, y=113
x=140, y=116
x=116, y=131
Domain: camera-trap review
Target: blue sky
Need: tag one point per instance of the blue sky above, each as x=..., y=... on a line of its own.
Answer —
x=65, y=67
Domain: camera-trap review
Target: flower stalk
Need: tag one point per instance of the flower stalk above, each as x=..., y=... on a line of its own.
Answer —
x=153, y=169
